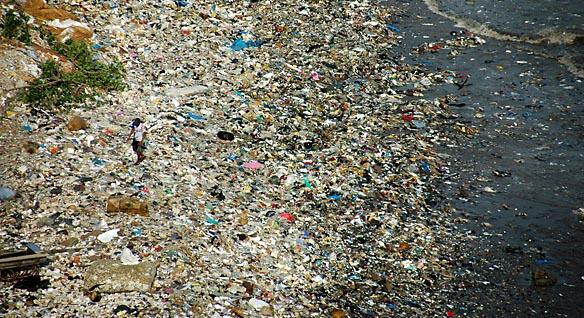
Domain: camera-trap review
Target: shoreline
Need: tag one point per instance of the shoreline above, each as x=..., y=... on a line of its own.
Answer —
x=514, y=185
x=545, y=37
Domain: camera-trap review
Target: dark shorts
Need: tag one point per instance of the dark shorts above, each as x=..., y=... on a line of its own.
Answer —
x=136, y=146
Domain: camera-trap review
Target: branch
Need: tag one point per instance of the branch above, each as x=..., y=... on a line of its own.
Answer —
x=55, y=81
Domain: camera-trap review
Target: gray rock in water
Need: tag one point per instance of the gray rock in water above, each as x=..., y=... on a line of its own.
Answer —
x=111, y=276
x=186, y=91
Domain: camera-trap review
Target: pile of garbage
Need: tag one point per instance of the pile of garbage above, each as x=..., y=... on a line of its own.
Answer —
x=289, y=169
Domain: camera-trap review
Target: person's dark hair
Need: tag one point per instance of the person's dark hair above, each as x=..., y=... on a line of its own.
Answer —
x=136, y=122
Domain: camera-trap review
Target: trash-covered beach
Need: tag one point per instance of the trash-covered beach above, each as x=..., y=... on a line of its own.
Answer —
x=294, y=167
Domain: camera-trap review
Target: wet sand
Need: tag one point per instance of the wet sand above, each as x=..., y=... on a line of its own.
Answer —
x=514, y=185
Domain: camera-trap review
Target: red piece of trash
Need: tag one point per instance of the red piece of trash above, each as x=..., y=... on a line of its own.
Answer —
x=408, y=117
x=287, y=216
x=435, y=47
x=450, y=313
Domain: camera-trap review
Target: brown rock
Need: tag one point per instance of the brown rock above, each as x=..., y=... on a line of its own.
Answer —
x=129, y=205
x=237, y=312
x=72, y=241
x=42, y=11
x=94, y=296
x=30, y=147
x=337, y=313
x=388, y=285
x=77, y=123
x=79, y=33
x=79, y=187
x=404, y=246
x=542, y=278
x=267, y=310
x=244, y=218
x=177, y=298
x=249, y=287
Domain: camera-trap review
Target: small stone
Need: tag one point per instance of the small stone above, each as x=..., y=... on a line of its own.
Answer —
x=94, y=296
x=72, y=241
x=267, y=310
x=30, y=147
x=542, y=278
x=388, y=286
x=85, y=179
x=77, y=123
x=244, y=218
x=489, y=190
x=125, y=309
x=45, y=221
x=404, y=246
x=7, y=193
x=237, y=312
x=337, y=313
x=275, y=180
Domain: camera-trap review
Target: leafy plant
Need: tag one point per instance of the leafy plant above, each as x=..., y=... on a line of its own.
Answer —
x=58, y=89
x=52, y=88
x=15, y=26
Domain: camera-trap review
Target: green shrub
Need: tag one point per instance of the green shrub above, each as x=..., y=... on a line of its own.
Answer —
x=15, y=26
x=58, y=89
x=52, y=88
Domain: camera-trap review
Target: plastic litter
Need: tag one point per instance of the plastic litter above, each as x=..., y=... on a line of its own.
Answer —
x=257, y=304
x=128, y=258
x=7, y=193
x=108, y=236
x=253, y=165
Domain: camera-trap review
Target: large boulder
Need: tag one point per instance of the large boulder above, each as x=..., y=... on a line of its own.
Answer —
x=111, y=276
x=61, y=23
x=17, y=67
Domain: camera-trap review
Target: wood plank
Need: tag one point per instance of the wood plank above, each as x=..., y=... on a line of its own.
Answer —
x=20, y=261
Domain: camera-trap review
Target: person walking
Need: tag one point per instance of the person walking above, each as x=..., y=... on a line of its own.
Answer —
x=138, y=134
